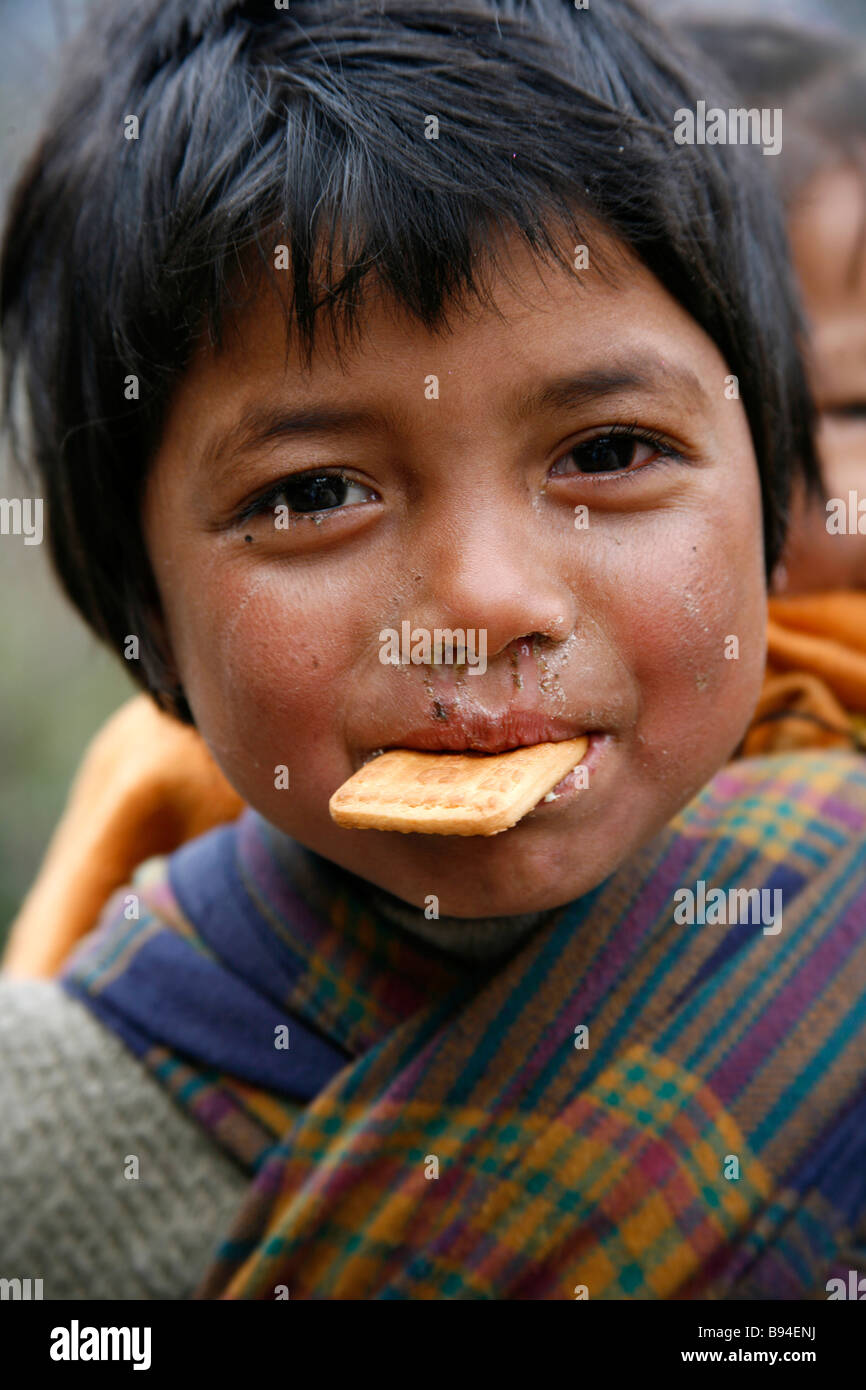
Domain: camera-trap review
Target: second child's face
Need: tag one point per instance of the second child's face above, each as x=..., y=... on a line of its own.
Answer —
x=481, y=480
x=827, y=237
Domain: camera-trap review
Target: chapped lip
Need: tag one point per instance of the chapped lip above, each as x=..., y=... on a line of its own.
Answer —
x=485, y=733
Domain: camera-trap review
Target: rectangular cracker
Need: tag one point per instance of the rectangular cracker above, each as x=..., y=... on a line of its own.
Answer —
x=452, y=793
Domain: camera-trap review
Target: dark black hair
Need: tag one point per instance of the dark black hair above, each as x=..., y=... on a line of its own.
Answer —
x=306, y=126
x=817, y=75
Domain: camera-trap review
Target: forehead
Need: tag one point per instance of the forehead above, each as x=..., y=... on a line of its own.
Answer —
x=536, y=314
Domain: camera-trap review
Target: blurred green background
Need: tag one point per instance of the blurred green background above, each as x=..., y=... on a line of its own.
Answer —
x=56, y=684
x=56, y=687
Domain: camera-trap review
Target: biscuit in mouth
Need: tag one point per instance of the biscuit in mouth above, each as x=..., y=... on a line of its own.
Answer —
x=452, y=793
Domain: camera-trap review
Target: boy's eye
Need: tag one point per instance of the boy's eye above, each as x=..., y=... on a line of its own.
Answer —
x=610, y=453
x=311, y=492
x=315, y=492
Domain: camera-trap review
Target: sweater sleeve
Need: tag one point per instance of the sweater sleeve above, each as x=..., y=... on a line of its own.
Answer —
x=76, y=1108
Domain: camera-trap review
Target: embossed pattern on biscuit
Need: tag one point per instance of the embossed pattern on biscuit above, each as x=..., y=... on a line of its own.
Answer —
x=452, y=793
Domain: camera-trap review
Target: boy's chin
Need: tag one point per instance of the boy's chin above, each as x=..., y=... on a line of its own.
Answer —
x=522, y=885
x=556, y=854
x=471, y=906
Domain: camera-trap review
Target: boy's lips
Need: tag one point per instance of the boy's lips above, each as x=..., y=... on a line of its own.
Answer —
x=477, y=732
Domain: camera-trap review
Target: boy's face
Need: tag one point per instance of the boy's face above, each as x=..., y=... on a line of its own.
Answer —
x=643, y=627
x=827, y=241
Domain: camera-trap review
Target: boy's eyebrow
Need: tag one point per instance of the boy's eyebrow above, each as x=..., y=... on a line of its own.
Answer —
x=567, y=392
x=262, y=423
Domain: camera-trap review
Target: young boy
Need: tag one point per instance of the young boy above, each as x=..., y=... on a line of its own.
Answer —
x=555, y=402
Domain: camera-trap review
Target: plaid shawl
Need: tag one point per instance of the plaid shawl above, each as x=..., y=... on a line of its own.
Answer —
x=627, y=1106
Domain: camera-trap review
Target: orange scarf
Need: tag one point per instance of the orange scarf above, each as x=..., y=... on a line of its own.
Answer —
x=814, y=692
x=147, y=784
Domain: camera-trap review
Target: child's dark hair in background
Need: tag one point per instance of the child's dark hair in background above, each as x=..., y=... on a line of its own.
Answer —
x=120, y=251
x=818, y=78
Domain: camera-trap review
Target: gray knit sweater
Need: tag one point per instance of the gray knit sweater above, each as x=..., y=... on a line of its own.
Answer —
x=75, y=1107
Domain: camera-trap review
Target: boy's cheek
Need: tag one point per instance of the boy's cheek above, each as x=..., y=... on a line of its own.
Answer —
x=696, y=645
x=266, y=672
x=277, y=739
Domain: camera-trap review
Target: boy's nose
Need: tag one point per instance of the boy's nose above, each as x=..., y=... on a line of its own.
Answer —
x=496, y=573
